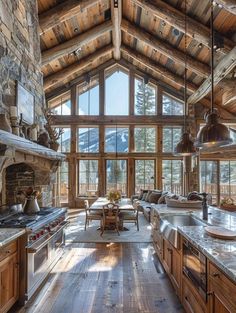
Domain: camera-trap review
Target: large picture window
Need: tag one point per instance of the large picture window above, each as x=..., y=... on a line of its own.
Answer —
x=172, y=172
x=171, y=105
x=88, y=177
x=145, y=98
x=64, y=182
x=145, y=139
x=228, y=179
x=61, y=105
x=209, y=178
x=65, y=140
x=116, y=139
x=88, y=97
x=116, y=92
x=144, y=174
x=170, y=137
x=88, y=139
x=116, y=175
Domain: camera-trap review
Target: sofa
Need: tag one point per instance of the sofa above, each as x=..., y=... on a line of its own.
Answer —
x=144, y=200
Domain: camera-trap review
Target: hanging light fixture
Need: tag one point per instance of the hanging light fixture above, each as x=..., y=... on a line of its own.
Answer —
x=185, y=146
x=214, y=133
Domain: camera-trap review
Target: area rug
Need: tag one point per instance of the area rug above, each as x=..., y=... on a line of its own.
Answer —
x=75, y=232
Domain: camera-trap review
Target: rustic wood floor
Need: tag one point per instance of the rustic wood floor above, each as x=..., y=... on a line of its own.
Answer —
x=106, y=278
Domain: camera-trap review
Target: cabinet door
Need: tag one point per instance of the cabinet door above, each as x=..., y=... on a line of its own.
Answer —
x=8, y=282
x=166, y=255
x=191, y=300
x=175, y=269
x=217, y=305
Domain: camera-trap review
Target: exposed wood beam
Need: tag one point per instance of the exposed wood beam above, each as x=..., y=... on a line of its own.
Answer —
x=75, y=43
x=175, y=18
x=116, y=16
x=62, y=12
x=159, y=69
x=61, y=75
x=80, y=79
x=228, y=5
x=165, y=48
x=223, y=68
x=163, y=72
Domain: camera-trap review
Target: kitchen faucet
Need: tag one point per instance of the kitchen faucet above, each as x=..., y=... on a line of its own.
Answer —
x=204, y=205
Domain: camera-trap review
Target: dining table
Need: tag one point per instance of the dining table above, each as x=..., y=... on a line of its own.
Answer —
x=124, y=204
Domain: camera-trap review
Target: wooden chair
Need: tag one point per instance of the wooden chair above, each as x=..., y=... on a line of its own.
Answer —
x=130, y=216
x=110, y=217
x=91, y=215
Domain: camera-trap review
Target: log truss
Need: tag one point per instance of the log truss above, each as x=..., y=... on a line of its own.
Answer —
x=118, y=25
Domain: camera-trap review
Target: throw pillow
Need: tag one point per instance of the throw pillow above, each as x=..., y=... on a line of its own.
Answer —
x=154, y=197
x=162, y=199
x=141, y=193
x=147, y=196
x=144, y=196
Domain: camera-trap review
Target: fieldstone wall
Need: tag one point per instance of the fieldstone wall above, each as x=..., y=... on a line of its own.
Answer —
x=21, y=176
x=20, y=55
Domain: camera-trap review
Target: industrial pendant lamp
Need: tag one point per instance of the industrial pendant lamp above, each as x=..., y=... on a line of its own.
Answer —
x=185, y=146
x=213, y=134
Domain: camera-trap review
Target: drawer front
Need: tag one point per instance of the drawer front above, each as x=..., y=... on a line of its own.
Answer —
x=8, y=250
x=191, y=300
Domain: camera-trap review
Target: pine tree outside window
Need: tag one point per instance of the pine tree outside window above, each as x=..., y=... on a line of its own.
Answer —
x=170, y=137
x=145, y=139
x=144, y=174
x=172, y=176
x=145, y=98
x=116, y=175
x=171, y=105
x=88, y=176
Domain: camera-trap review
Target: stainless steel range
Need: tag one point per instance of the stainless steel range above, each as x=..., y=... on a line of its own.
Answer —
x=42, y=244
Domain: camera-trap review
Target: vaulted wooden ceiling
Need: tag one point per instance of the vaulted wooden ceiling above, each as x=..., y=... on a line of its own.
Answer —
x=78, y=36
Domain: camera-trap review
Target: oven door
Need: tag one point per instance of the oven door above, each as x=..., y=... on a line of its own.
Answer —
x=42, y=256
x=194, y=267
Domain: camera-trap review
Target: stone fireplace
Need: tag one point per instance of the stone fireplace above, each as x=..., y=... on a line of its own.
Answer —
x=20, y=176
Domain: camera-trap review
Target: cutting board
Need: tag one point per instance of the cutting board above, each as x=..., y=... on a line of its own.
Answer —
x=220, y=232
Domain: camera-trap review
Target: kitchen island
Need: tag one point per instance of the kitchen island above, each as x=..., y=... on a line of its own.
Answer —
x=201, y=268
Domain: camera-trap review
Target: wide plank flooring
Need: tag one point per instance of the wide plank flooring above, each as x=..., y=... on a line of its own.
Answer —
x=106, y=278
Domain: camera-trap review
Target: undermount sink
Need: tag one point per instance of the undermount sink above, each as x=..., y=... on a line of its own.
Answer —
x=169, y=224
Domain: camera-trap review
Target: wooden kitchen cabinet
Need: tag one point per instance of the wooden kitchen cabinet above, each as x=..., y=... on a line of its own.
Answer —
x=9, y=276
x=191, y=300
x=221, y=292
x=172, y=264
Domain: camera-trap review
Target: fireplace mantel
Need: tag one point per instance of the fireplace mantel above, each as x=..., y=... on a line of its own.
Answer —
x=10, y=143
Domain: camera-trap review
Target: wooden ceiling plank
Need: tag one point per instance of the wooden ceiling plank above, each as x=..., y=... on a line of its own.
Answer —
x=53, y=79
x=116, y=16
x=175, y=18
x=71, y=45
x=165, y=48
x=157, y=68
x=228, y=5
x=224, y=67
x=62, y=12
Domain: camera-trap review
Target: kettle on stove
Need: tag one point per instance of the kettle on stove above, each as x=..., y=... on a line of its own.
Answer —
x=31, y=206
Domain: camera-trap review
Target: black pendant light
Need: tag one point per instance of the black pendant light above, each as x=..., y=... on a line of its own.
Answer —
x=213, y=134
x=185, y=146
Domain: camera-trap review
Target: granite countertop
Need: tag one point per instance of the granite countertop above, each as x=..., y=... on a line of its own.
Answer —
x=9, y=234
x=221, y=252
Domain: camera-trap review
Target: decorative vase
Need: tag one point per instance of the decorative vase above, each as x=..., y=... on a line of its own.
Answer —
x=31, y=206
x=4, y=123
